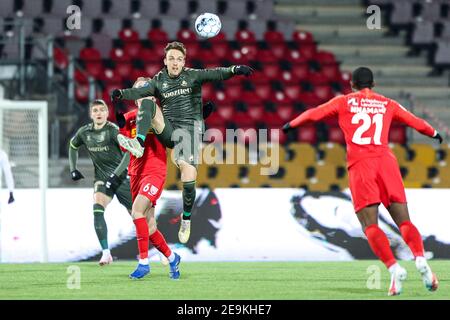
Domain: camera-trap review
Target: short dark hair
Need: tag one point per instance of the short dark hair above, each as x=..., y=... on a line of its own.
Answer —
x=176, y=46
x=362, y=78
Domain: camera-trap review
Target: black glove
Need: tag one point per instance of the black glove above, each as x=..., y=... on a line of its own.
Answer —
x=116, y=95
x=286, y=128
x=113, y=182
x=120, y=118
x=438, y=137
x=245, y=70
x=76, y=175
x=11, y=198
x=208, y=108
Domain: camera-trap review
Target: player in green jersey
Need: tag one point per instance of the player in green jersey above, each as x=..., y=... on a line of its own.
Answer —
x=110, y=164
x=180, y=125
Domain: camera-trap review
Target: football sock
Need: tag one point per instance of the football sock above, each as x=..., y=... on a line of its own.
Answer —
x=142, y=237
x=144, y=118
x=100, y=225
x=412, y=238
x=380, y=245
x=171, y=257
x=165, y=136
x=157, y=239
x=188, y=198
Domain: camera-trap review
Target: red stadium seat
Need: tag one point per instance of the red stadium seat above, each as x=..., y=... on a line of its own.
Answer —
x=221, y=98
x=124, y=69
x=215, y=119
x=263, y=91
x=94, y=68
x=110, y=76
x=149, y=55
x=186, y=35
x=295, y=56
x=242, y=120
x=82, y=92
x=80, y=77
x=323, y=92
x=219, y=38
x=128, y=35
x=309, y=99
x=157, y=35
x=307, y=134
x=250, y=51
x=279, y=49
x=397, y=134
x=308, y=51
x=279, y=97
x=256, y=112
x=60, y=58
x=272, y=71
x=288, y=77
x=119, y=55
x=249, y=97
x=233, y=91
x=331, y=71
x=286, y=112
x=192, y=49
x=276, y=135
x=259, y=78
x=302, y=37
x=211, y=134
x=273, y=119
x=317, y=78
x=207, y=92
x=293, y=91
x=152, y=68
x=208, y=57
x=300, y=71
x=266, y=56
x=273, y=36
x=220, y=49
x=237, y=57
x=133, y=49
x=325, y=57
x=226, y=111
x=245, y=36
x=90, y=54
x=136, y=73
x=336, y=135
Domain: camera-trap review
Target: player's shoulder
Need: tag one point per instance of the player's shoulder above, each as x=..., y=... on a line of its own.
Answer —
x=85, y=128
x=111, y=126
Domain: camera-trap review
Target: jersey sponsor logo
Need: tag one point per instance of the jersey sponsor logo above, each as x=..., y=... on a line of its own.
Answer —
x=372, y=106
x=353, y=102
x=177, y=92
x=153, y=190
x=98, y=149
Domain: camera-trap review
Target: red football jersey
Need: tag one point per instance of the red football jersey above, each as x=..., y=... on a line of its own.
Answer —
x=154, y=158
x=365, y=118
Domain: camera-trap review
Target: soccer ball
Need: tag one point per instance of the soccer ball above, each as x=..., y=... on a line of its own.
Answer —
x=207, y=25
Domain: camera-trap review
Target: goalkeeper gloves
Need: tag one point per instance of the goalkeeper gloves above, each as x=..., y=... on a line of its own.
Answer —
x=437, y=136
x=76, y=175
x=243, y=70
x=120, y=119
x=208, y=108
x=116, y=95
x=113, y=182
x=286, y=128
x=11, y=198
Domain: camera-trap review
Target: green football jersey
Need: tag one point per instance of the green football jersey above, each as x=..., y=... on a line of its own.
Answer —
x=102, y=146
x=180, y=97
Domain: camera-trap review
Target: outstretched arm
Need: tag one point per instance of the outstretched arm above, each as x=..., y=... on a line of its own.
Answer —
x=419, y=124
x=221, y=73
x=134, y=93
x=74, y=144
x=316, y=114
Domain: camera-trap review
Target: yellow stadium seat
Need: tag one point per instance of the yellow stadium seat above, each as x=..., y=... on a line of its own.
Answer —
x=172, y=178
x=417, y=175
x=295, y=174
x=444, y=173
x=334, y=153
x=400, y=152
x=318, y=186
x=425, y=153
x=326, y=173
x=305, y=154
x=235, y=153
x=228, y=174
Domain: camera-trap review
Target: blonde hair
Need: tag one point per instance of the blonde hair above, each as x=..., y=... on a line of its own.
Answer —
x=97, y=102
x=176, y=46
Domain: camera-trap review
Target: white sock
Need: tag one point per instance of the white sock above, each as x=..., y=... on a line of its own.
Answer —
x=143, y=261
x=106, y=251
x=393, y=267
x=171, y=257
x=421, y=263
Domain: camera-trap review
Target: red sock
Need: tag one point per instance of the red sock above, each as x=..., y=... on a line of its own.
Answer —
x=380, y=244
x=157, y=239
x=142, y=236
x=412, y=238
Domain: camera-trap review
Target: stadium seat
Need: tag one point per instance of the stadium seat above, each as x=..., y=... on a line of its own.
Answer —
x=128, y=35
x=425, y=154
x=336, y=135
x=400, y=152
x=416, y=176
x=334, y=153
x=304, y=153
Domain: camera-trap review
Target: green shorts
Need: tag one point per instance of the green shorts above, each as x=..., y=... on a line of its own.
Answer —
x=123, y=192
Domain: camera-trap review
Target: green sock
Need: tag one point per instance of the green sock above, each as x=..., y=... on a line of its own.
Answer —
x=100, y=225
x=144, y=117
x=188, y=199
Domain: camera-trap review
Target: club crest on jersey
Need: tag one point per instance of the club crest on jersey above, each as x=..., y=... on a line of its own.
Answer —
x=153, y=190
x=353, y=102
x=165, y=85
x=101, y=137
x=183, y=83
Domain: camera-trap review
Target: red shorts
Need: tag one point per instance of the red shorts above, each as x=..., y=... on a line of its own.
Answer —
x=150, y=186
x=376, y=180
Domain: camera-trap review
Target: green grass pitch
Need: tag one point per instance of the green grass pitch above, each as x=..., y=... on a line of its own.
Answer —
x=216, y=280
